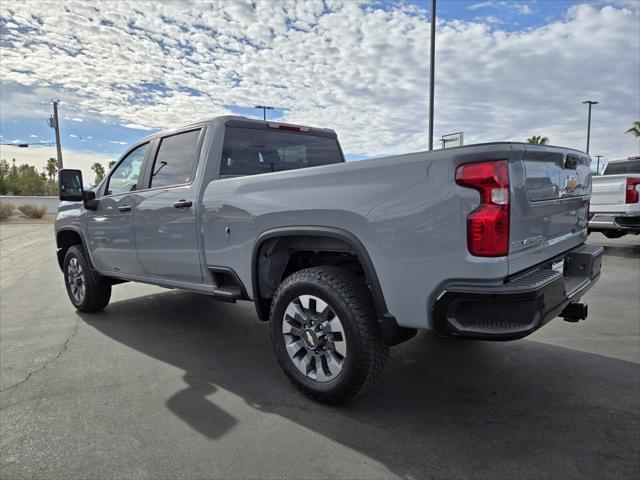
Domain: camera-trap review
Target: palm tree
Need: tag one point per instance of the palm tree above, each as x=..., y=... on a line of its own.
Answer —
x=98, y=169
x=111, y=164
x=51, y=168
x=50, y=171
x=635, y=130
x=538, y=140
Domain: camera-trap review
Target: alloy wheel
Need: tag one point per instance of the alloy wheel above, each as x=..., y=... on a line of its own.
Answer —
x=314, y=338
x=76, y=280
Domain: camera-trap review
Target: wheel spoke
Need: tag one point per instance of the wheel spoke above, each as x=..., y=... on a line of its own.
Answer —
x=339, y=346
x=305, y=301
x=321, y=376
x=294, y=347
x=295, y=312
x=335, y=365
x=303, y=364
x=334, y=326
x=321, y=306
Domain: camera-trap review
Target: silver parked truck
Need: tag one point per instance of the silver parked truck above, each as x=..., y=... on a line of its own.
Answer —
x=344, y=259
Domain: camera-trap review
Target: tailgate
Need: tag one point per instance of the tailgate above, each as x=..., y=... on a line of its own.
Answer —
x=550, y=191
x=609, y=193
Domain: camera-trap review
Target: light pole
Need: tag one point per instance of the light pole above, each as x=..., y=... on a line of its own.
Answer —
x=432, y=73
x=590, y=103
x=264, y=110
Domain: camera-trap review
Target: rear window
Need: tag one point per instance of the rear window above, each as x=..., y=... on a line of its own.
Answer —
x=249, y=151
x=622, y=168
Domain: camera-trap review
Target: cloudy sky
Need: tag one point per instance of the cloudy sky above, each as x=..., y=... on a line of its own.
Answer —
x=506, y=70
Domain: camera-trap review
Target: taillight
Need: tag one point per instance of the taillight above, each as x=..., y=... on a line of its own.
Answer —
x=288, y=127
x=632, y=193
x=487, y=225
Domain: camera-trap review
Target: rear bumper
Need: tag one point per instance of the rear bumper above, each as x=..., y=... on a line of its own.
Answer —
x=521, y=305
x=610, y=221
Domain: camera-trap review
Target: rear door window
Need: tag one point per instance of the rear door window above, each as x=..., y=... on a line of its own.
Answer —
x=249, y=151
x=176, y=160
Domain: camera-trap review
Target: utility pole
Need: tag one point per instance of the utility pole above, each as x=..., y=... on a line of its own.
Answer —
x=590, y=103
x=54, y=122
x=264, y=110
x=432, y=73
x=598, y=167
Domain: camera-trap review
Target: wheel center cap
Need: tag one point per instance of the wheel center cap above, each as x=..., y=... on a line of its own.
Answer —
x=310, y=338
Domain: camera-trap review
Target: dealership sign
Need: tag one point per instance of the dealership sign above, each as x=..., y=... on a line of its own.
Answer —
x=452, y=140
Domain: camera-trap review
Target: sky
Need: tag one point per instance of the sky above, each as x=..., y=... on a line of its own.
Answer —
x=505, y=70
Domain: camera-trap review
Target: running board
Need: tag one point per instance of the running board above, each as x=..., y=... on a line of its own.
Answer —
x=228, y=293
x=227, y=285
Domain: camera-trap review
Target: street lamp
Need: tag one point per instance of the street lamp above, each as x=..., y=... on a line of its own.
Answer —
x=598, y=167
x=432, y=73
x=590, y=103
x=264, y=110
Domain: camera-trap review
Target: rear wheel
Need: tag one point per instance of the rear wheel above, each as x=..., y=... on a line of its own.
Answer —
x=325, y=334
x=87, y=293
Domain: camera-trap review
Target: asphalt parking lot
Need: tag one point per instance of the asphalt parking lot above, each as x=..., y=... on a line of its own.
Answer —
x=167, y=384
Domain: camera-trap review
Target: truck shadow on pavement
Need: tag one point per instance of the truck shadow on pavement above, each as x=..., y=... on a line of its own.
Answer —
x=623, y=251
x=443, y=408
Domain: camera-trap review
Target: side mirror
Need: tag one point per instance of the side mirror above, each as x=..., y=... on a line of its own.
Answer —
x=70, y=185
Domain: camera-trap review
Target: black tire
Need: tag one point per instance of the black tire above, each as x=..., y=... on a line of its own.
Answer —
x=613, y=233
x=350, y=300
x=97, y=293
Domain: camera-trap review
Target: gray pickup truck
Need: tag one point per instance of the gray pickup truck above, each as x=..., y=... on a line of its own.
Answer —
x=345, y=259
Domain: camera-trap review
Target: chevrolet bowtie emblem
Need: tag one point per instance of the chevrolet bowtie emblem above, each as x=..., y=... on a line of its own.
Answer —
x=570, y=185
x=309, y=338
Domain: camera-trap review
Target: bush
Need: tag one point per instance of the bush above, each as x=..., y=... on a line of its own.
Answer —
x=6, y=210
x=32, y=211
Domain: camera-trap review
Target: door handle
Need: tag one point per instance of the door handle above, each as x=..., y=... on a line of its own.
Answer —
x=182, y=204
x=124, y=208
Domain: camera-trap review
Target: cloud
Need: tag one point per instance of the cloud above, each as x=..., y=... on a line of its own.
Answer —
x=117, y=142
x=350, y=66
x=476, y=6
x=33, y=136
x=72, y=135
x=524, y=9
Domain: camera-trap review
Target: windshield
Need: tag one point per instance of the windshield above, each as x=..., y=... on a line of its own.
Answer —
x=249, y=151
x=622, y=168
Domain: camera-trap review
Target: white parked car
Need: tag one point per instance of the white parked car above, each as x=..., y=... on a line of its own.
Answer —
x=615, y=199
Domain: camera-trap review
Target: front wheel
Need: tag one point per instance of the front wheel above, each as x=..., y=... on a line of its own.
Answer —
x=325, y=334
x=87, y=293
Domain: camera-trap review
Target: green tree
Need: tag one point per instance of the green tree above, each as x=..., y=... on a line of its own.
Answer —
x=13, y=177
x=4, y=174
x=111, y=164
x=30, y=181
x=635, y=129
x=98, y=169
x=538, y=140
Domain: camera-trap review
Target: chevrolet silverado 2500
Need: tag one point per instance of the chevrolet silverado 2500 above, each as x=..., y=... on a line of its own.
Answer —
x=345, y=259
x=615, y=200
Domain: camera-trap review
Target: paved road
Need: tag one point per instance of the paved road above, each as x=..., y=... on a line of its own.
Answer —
x=166, y=384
